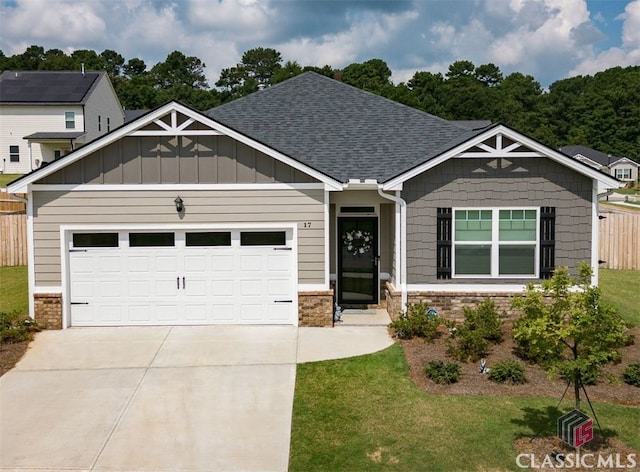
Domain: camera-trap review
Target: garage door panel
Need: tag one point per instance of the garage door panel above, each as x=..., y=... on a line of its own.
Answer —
x=222, y=263
x=110, y=289
x=278, y=263
x=168, y=264
x=111, y=314
x=167, y=312
x=139, y=313
x=250, y=288
x=182, y=285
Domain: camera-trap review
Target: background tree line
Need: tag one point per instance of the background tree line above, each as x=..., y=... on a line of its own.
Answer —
x=600, y=111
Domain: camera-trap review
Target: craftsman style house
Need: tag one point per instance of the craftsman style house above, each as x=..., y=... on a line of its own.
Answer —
x=47, y=114
x=273, y=207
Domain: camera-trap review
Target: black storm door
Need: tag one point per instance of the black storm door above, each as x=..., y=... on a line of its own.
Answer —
x=357, y=260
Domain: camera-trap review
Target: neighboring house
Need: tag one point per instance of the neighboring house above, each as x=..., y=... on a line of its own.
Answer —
x=270, y=208
x=622, y=168
x=47, y=114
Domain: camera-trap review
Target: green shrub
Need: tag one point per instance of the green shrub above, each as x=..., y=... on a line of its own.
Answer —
x=16, y=327
x=631, y=374
x=468, y=345
x=472, y=340
x=443, y=372
x=485, y=319
x=507, y=371
x=416, y=322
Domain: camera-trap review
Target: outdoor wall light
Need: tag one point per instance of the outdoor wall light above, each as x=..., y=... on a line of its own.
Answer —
x=179, y=204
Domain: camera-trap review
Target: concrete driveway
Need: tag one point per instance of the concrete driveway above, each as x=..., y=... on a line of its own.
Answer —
x=205, y=398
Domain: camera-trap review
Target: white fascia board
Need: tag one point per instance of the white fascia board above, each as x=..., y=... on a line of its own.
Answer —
x=134, y=126
x=584, y=169
x=173, y=187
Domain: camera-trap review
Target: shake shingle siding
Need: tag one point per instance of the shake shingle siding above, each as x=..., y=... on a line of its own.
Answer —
x=525, y=182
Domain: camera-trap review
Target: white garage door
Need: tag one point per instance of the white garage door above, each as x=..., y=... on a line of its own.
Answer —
x=182, y=277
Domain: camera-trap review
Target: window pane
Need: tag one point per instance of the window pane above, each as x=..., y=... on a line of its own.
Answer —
x=473, y=260
x=517, y=260
x=95, y=240
x=151, y=239
x=209, y=239
x=263, y=238
x=517, y=225
x=70, y=119
x=473, y=225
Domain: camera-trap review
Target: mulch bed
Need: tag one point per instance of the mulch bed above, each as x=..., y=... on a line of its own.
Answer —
x=610, y=389
x=10, y=354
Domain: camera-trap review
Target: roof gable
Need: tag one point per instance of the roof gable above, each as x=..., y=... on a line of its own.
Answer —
x=338, y=129
x=170, y=120
x=46, y=87
x=502, y=142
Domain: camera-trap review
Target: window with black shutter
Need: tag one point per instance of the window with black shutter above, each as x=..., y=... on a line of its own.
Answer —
x=443, y=270
x=547, y=241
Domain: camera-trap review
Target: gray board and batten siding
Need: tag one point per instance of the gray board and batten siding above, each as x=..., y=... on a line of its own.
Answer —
x=177, y=160
x=491, y=183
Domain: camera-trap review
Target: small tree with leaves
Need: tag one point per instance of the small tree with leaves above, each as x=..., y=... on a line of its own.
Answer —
x=566, y=328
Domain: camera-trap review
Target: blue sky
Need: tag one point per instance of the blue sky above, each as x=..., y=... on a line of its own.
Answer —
x=548, y=39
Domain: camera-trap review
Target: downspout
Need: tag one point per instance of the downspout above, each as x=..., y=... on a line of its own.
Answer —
x=403, y=244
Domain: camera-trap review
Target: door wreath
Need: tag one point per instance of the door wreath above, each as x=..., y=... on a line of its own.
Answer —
x=357, y=242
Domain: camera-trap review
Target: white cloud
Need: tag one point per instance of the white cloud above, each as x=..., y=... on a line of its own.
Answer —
x=67, y=21
x=626, y=55
x=245, y=19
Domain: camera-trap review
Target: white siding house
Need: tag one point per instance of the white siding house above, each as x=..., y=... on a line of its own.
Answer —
x=47, y=114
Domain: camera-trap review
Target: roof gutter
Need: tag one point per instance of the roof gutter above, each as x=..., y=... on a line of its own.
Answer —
x=402, y=240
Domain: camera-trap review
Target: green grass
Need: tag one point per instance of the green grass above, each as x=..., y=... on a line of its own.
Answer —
x=365, y=414
x=6, y=178
x=14, y=288
x=621, y=288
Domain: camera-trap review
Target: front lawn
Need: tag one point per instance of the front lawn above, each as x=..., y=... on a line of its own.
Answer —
x=14, y=288
x=621, y=288
x=365, y=414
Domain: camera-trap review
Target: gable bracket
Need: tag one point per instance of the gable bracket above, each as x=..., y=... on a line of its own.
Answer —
x=497, y=150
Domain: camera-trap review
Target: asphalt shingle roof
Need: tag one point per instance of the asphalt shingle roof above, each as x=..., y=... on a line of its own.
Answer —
x=49, y=87
x=597, y=156
x=339, y=130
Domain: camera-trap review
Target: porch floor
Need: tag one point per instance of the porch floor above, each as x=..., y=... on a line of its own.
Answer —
x=367, y=317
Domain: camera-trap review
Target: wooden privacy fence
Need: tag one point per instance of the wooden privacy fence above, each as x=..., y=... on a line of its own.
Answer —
x=13, y=239
x=619, y=240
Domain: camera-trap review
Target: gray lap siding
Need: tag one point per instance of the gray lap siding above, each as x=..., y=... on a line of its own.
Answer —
x=54, y=208
x=520, y=182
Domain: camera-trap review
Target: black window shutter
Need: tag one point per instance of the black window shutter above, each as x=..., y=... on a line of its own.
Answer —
x=547, y=241
x=444, y=222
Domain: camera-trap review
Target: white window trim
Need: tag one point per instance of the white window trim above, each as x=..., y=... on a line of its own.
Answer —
x=495, y=244
x=623, y=173
x=72, y=119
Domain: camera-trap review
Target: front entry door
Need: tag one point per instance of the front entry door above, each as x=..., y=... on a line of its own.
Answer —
x=358, y=260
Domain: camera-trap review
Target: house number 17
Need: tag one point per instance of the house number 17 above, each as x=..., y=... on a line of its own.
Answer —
x=307, y=224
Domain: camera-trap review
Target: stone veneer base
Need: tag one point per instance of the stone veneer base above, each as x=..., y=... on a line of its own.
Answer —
x=48, y=310
x=314, y=309
x=449, y=304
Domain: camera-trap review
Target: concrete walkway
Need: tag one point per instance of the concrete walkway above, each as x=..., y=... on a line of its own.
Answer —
x=203, y=398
